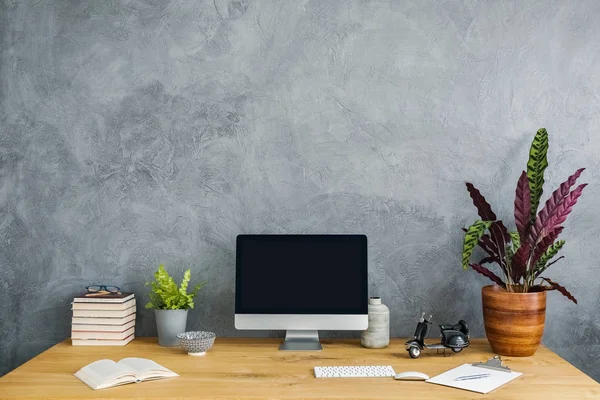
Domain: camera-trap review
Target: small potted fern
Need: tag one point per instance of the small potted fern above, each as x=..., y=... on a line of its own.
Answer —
x=514, y=308
x=171, y=304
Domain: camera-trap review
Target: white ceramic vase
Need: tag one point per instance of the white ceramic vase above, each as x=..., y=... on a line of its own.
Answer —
x=377, y=335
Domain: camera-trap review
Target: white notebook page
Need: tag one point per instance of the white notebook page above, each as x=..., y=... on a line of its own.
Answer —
x=105, y=373
x=145, y=368
x=483, y=385
x=106, y=370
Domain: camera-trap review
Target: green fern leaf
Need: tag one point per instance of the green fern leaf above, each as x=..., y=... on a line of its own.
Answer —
x=166, y=295
x=185, y=282
x=538, y=161
x=472, y=236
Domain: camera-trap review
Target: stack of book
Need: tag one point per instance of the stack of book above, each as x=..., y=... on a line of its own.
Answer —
x=103, y=320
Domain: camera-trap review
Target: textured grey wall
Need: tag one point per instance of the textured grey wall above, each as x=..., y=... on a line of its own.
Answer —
x=138, y=132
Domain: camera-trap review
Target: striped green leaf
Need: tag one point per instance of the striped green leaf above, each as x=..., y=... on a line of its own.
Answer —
x=472, y=236
x=536, y=165
x=540, y=266
x=516, y=239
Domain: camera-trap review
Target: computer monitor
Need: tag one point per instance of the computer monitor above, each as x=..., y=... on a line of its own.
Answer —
x=301, y=284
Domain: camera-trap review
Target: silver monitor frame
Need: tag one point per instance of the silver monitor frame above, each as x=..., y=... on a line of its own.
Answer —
x=302, y=329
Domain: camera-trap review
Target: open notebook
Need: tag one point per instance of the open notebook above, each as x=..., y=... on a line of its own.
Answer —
x=103, y=374
x=484, y=385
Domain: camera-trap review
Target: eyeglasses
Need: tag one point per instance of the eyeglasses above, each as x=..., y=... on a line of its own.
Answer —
x=102, y=288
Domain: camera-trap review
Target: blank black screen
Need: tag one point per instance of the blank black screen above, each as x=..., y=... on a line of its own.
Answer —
x=301, y=274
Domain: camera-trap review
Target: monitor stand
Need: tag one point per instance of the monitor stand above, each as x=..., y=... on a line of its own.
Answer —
x=301, y=341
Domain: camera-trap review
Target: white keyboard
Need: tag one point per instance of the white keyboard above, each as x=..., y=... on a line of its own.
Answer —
x=355, y=371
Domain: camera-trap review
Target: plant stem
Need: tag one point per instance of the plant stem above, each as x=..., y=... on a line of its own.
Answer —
x=508, y=274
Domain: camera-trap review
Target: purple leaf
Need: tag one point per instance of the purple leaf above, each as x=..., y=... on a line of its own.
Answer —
x=500, y=236
x=488, y=260
x=554, y=201
x=559, y=214
x=487, y=244
x=490, y=248
x=523, y=206
x=519, y=262
x=561, y=289
x=498, y=232
x=483, y=207
x=487, y=273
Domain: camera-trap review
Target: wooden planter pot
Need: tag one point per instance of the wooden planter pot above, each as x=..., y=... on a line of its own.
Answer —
x=514, y=322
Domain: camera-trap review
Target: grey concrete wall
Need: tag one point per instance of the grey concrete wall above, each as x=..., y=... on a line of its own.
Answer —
x=138, y=132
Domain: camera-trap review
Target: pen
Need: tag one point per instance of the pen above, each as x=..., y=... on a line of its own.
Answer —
x=469, y=377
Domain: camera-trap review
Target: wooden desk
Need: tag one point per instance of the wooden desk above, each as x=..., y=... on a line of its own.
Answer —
x=238, y=368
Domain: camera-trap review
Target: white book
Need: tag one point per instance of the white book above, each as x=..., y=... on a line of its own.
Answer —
x=104, y=313
x=102, y=328
x=103, y=321
x=107, y=373
x=101, y=342
x=483, y=385
x=121, y=298
x=103, y=335
x=103, y=306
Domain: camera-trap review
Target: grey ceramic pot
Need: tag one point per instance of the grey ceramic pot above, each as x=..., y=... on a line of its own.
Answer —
x=169, y=324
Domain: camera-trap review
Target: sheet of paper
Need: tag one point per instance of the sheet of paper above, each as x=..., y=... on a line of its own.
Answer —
x=483, y=385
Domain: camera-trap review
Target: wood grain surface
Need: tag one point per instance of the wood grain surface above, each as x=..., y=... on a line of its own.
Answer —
x=237, y=368
x=514, y=322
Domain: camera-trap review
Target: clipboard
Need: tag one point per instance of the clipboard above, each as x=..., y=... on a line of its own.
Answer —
x=499, y=375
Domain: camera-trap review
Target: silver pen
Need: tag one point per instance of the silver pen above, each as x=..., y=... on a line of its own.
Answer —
x=469, y=377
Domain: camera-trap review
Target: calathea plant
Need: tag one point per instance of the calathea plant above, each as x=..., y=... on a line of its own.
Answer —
x=524, y=255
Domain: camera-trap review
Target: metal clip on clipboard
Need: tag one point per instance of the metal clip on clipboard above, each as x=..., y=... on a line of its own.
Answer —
x=494, y=363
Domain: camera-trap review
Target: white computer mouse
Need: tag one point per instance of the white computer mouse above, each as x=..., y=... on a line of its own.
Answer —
x=411, y=376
